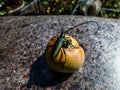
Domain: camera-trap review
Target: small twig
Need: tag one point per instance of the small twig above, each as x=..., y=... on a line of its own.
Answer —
x=26, y=7
x=11, y=11
x=111, y=9
x=76, y=7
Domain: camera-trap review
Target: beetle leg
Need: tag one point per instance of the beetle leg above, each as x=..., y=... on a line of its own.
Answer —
x=72, y=45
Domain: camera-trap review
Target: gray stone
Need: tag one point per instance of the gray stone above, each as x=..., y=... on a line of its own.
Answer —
x=23, y=41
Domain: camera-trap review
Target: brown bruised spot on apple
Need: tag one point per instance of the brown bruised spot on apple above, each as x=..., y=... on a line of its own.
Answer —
x=68, y=59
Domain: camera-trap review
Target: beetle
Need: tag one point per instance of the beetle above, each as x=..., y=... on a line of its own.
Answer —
x=62, y=39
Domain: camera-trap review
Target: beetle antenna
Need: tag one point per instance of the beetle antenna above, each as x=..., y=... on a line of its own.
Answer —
x=82, y=24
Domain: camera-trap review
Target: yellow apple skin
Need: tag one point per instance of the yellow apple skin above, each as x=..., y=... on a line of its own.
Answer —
x=68, y=59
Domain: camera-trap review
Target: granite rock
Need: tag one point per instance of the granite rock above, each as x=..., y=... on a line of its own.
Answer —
x=23, y=41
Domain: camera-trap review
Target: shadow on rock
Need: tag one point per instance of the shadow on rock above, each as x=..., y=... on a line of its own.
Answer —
x=41, y=75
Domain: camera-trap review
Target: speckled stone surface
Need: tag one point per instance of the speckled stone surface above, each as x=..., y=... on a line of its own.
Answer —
x=23, y=41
